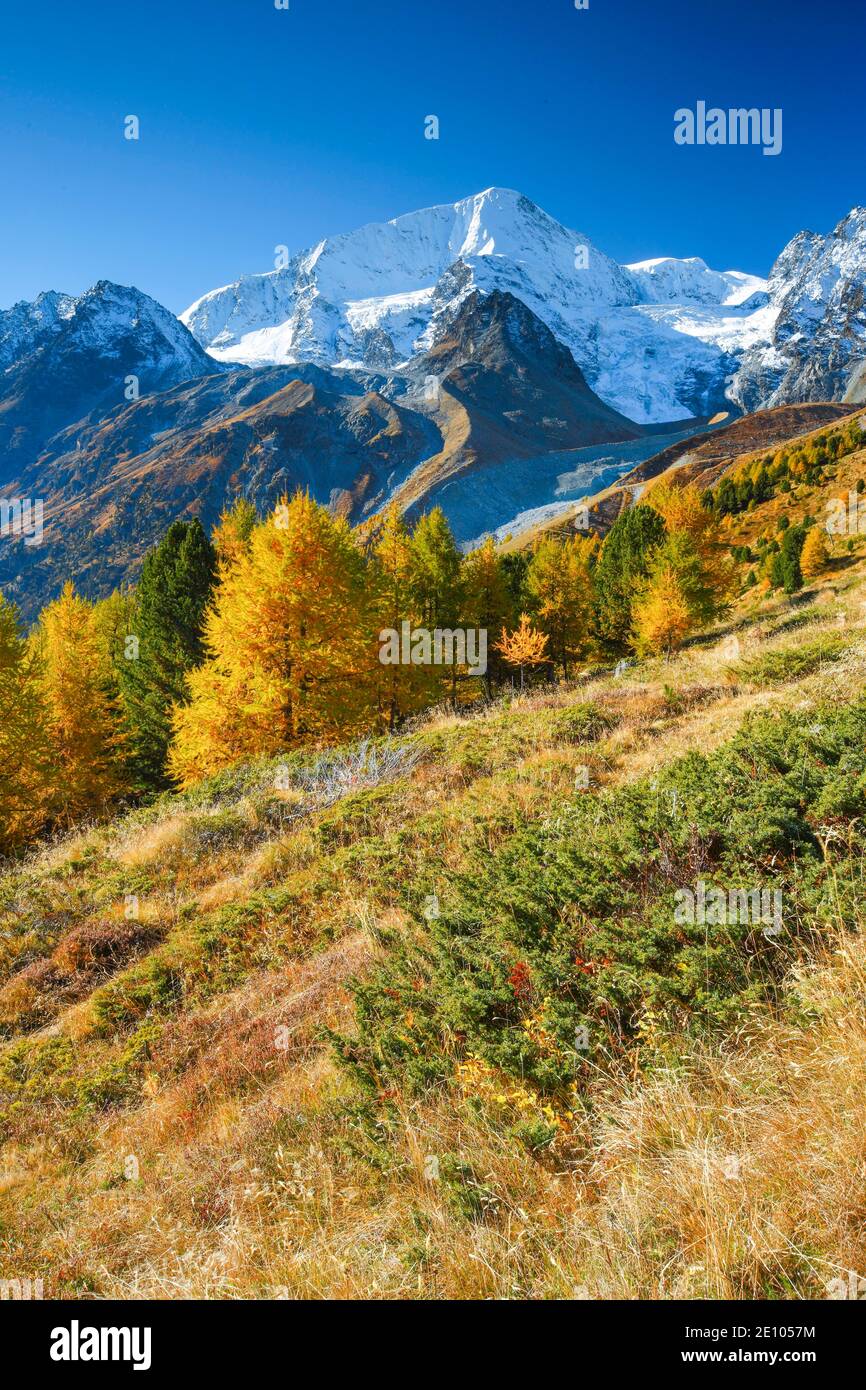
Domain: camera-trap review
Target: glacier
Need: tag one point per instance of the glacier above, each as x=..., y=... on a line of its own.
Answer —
x=658, y=339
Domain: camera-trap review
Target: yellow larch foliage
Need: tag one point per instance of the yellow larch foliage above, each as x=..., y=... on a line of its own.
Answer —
x=400, y=687
x=290, y=642
x=684, y=514
x=525, y=646
x=82, y=717
x=559, y=583
x=231, y=537
x=24, y=751
x=663, y=615
x=814, y=555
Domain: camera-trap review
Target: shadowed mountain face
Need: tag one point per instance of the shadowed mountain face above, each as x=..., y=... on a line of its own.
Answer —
x=113, y=486
x=512, y=404
x=505, y=366
x=66, y=358
x=496, y=388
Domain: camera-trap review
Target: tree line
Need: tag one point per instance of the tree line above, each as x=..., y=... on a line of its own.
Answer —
x=264, y=636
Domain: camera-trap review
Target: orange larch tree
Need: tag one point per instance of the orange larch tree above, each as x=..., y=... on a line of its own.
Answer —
x=523, y=647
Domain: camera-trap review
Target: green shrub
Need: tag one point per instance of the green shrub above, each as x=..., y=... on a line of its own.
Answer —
x=570, y=925
x=583, y=723
x=792, y=663
x=154, y=985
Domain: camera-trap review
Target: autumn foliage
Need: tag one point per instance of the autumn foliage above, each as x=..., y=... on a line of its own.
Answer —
x=290, y=645
x=525, y=646
x=267, y=636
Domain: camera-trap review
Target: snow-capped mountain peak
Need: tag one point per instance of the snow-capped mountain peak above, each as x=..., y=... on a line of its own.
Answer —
x=25, y=325
x=108, y=317
x=817, y=332
x=690, y=281
x=387, y=279
x=653, y=338
x=65, y=357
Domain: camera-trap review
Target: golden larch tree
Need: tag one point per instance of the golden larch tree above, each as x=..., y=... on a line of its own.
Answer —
x=560, y=588
x=400, y=687
x=814, y=556
x=290, y=643
x=231, y=537
x=487, y=602
x=667, y=608
x=25, y=764
x=83, y=722
x=683, y=511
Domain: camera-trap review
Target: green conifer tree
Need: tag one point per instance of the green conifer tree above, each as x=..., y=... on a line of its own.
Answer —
x=166, y=643
x=622, y=566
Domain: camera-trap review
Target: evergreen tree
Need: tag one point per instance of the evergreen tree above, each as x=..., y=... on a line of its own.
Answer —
x=176, y=584
x=763, y=488
x=435, y=578
x=725, y=498
x=515, y=566
x=622, y=565
x=785, y=571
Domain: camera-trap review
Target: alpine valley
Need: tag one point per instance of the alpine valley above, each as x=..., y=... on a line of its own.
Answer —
x=477, y=355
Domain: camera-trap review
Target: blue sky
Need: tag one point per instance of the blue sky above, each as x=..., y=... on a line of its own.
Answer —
x=262, y=127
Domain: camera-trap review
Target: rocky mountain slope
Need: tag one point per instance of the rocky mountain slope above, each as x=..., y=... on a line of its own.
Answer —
x=817, y=304
x=496, y=391
x=702, y=457
x=112, y=486
x=26, y=325
x=507, y=398
x=63, y=359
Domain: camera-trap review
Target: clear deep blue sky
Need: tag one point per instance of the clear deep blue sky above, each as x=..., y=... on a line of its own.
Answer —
x=261, y=127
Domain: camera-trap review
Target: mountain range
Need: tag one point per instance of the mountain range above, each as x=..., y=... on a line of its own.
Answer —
x=660, y=340
x=657, y=340
x=478, y=355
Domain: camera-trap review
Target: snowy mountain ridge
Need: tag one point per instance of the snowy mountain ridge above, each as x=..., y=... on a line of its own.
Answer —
x=62, y=358
x=817, y=336
x=654, y=339
x=659, y=339
x=26, y=325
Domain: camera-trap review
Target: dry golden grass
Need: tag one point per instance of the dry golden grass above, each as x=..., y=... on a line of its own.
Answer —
x=733, y=1174
x=148, y=845
x=734, y=1171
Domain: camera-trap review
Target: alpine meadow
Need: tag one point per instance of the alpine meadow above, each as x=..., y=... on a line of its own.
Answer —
x=433, y=674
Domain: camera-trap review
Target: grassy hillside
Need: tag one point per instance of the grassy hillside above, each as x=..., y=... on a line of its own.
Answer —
x=417, y=1019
